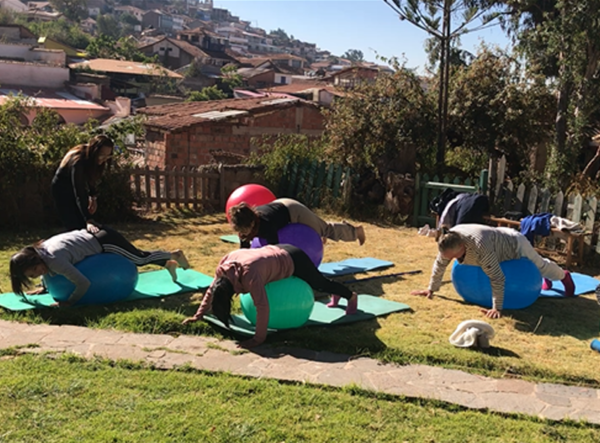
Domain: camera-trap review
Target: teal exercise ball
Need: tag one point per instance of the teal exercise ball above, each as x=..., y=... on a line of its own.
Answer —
x=291, y=302
x=112, y=278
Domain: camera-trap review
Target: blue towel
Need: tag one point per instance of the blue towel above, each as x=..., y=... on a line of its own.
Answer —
x=537, y=224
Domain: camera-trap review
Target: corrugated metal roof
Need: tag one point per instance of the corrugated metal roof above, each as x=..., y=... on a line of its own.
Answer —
x=219, y=115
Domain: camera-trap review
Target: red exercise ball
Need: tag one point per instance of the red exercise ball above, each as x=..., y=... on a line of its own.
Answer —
x=252, y=194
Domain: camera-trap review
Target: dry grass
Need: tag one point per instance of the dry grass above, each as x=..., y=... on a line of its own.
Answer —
x=549, y=340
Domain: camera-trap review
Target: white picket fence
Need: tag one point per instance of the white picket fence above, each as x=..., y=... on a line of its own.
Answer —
x=533, y=200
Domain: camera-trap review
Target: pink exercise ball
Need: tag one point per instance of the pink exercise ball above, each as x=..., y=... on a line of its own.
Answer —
x=252, y=194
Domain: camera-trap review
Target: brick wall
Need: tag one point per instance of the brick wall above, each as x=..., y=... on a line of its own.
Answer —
x=155, y=148
x=191, y=146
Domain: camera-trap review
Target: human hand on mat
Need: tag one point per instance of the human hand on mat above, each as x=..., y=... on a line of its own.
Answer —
x=193, y=319
x=491, y=313
x=61, y=304
x=37, y=291
x=423, y=293
x=252, y=343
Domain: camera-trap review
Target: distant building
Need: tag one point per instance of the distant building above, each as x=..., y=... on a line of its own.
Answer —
x=184, y=134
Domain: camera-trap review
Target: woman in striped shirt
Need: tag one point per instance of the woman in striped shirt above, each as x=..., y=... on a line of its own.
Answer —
x=484, y=246
x=59, y=254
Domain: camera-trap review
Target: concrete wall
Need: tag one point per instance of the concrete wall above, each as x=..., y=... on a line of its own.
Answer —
x=36, y=75
x=28, y=54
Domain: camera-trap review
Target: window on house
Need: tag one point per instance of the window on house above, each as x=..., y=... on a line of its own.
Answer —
x=161, y=49
x=282, y=80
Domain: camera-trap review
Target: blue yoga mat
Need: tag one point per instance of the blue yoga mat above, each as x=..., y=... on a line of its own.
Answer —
x=583, y=285
x=353, y=265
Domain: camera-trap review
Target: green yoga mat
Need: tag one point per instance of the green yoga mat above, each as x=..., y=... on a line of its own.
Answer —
x=150, y=285
x=230, y=239
x=368, y=307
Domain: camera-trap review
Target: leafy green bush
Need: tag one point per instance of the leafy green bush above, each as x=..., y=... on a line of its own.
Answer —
x=30, y=154
x=276, y=152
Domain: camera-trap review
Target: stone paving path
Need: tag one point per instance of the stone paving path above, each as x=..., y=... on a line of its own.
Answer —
x=550, y=401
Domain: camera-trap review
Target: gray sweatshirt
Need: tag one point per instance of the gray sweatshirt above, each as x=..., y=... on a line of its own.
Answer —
x=61, y=252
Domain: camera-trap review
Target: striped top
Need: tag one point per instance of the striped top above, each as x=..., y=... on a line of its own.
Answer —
x=486, y=247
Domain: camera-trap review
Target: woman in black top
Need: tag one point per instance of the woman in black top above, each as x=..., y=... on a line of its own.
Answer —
x=74, y=183
x=264, y=222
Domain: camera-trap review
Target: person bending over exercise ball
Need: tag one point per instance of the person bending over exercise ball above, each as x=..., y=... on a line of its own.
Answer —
x=264, y=221
x=249, y=270
x=487, y=247
x=74, y=183
x=59, y=254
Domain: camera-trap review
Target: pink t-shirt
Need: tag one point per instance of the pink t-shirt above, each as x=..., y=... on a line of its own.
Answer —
x=249, y=270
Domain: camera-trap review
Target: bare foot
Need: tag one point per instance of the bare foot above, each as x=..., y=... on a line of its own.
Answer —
x=179, y=257
x=171, y=266
x=360, y=235
x=324, y=240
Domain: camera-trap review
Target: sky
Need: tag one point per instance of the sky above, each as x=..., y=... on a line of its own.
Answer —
x=338, y=25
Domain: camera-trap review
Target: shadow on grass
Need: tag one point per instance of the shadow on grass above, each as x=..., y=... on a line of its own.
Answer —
x=575, y=317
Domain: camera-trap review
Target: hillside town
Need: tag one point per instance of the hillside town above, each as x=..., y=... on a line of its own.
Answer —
x=146, y=57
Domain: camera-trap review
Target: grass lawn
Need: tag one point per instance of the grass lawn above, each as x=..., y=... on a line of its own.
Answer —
x=68, y=400
x=547, y=341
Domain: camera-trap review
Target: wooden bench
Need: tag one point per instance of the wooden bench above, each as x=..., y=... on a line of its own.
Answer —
x=571, y=238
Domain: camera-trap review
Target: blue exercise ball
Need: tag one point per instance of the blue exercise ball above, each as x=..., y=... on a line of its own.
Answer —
x=301, y=236
x=291, y=302
x=522, y=287
x=112, y=278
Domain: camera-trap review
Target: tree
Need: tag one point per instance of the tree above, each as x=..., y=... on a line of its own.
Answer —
x=369, y=127
x=206, y=94
x=108, y=26
x=354, y=55
x=62, y=30
x=125, y=48
x=497, y=108
x=230, y=78
x=561, y=39
x=437, y=18
x=72, y=9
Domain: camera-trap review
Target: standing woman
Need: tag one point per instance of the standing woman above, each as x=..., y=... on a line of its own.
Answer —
x=74, y=183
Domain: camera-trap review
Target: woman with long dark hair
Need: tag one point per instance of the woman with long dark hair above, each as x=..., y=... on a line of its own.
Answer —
x=59, y=254
x=74, y=183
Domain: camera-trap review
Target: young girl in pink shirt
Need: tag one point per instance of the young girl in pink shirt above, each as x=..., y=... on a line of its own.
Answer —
x=249, y=270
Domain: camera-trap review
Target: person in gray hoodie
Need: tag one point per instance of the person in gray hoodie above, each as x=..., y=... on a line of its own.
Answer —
x=59, y=254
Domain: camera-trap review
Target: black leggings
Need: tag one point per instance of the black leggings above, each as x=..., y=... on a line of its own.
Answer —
x=113, y=242
x=66, y=205
x=305, y=269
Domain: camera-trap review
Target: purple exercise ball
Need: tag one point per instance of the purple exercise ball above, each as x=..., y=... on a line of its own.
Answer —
x=301, y=236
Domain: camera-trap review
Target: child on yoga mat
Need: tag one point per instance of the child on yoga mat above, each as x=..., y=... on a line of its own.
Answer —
x=264, y=221
x=249, y=270
x=484, y=246
x=59, y=254
x=74, y=183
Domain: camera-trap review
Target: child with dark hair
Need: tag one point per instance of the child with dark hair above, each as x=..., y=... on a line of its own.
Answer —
x=59, y=254
x=249, y=270
x=264, y=221
x=74, y=183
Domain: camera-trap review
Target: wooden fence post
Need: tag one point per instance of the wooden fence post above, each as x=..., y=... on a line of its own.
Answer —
x=222, y=196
